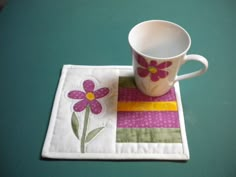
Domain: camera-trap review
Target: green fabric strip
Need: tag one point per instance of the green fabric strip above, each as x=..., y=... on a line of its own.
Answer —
x=127, y=82
x=148, y=135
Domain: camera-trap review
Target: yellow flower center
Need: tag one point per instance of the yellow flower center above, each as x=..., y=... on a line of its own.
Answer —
x=90, y=96
x=152, y=69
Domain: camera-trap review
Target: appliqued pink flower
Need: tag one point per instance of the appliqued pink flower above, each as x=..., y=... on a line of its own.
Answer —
x=155, y=70
x=89, y=97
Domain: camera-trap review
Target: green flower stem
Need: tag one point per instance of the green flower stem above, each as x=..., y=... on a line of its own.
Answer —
x=86, y=119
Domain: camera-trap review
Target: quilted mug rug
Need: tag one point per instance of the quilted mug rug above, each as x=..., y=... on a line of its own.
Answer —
x=98, y=113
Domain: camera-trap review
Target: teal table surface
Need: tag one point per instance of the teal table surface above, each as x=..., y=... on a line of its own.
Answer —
x=38, y=37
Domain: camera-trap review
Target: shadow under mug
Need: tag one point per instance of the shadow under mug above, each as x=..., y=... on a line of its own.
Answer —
x=159, y=49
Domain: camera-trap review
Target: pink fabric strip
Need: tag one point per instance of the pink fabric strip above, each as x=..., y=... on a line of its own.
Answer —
x=133, y=94
x=148, y=119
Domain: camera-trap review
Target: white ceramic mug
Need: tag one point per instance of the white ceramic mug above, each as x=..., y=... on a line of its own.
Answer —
x=159, y=50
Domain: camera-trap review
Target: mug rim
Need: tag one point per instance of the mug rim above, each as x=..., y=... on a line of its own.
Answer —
x=160, y=58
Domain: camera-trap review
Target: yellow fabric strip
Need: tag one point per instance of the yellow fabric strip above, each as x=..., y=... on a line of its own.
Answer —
x=148, y=106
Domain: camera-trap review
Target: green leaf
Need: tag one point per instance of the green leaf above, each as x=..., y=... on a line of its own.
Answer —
x=93, y=133
x=75, y=124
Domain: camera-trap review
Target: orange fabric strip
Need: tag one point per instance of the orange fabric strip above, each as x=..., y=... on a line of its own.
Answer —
x=148, y=106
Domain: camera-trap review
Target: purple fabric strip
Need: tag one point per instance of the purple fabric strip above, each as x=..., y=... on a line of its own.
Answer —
x=148, y=119
x=133, y=94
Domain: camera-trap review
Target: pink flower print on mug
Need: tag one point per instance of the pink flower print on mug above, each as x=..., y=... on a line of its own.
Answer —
x=155, y=70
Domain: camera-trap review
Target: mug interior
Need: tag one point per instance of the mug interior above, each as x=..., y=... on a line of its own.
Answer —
x=159, y=39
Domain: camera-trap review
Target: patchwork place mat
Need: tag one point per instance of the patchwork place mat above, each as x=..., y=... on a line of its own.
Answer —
x=98, y=113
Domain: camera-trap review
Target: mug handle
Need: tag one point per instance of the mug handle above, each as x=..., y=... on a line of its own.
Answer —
x=193, y=57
